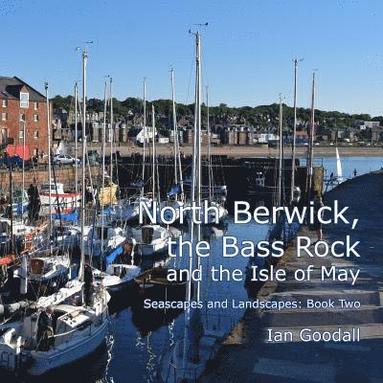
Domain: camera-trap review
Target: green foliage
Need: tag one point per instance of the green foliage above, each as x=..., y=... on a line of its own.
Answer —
x=263, y=117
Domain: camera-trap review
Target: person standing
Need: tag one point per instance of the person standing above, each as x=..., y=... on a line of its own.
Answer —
x=317, y=224
x=45, y=334
x=88, y=285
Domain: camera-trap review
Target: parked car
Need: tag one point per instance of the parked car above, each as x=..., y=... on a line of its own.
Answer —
x=65, y=159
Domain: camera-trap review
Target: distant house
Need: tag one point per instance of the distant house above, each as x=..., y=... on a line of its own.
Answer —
x=302, y=137
x=363, y=125
x=22, y=110
x=145, y=135
x=376, y=134
x=264, y=138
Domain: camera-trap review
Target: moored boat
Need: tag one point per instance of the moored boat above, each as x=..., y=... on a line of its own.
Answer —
x=54, y=199
x=162, y=282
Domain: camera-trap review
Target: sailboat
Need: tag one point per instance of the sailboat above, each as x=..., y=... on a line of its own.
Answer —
x=49, y=265
x=295, y=191
x=131, y=209
x=186, y=359
x=156, y=283
x=53, y=196
x=79, y=313
x=220, y=212
x=12, y=231
x=176, y=195
x=152, y=238
x=107, y=241
x=103, y=234
x=213, y=196
x=101, y=237
x=48, y=270
x=339, y=172
x=310, y=149
x=20, y=203
x=335, y=180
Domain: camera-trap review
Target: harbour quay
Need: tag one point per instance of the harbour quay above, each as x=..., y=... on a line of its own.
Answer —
x=322, y=342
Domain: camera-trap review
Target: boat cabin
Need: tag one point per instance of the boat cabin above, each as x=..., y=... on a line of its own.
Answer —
x=107, y=231
x=53, y=188
x=18, y=227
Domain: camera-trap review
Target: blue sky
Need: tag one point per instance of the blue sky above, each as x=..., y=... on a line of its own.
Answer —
x=248, y=48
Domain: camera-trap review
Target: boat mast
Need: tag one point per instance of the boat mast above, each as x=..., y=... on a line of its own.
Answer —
x=177, y=162
x=102, y=199
x=76, y=134
x=196, y=202
x=23, y=174
x=293, y=145
x=13, y=245
x=49, y=160
x=144, y=144
x=310, y=153
x=111, y=138
x=196, y=174
x=84, y=64
x=210, y=170
x=280, y=166
x=153, y=156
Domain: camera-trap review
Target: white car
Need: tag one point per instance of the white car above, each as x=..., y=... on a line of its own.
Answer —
x=64, y=159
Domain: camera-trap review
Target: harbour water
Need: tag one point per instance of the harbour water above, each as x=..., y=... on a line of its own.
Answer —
x=136, y=344
x=362, y=165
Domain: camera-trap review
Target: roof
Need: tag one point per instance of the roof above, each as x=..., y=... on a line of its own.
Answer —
x=10, y=88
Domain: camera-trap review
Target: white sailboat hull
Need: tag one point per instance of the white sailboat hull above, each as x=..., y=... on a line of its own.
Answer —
x=93, y=247
x=66, y=201
x=214, y=217
x=167, y=214
x=148, y=249
x=114, y=283
x=65, y=354
x=131, y=211
x=155, y=240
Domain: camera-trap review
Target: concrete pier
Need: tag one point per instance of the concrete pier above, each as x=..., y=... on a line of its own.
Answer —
x=248, y=355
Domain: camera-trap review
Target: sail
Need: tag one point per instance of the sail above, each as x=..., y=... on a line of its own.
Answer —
x=107, y=195
x=175, y=189
x=72, y=216
x=339, y=172
x=110, y=258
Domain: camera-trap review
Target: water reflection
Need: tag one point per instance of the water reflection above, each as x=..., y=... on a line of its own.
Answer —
x=148, y=320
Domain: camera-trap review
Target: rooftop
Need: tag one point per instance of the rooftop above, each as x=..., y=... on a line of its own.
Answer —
x=10, y=88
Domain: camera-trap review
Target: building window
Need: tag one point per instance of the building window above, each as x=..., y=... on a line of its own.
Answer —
x=4, y=103
x=3, y=136
x=3, y=116
x=21, y=134
x=22, y=117
x=35, y=117
x=35, y=105
x=24, y=100
x=36, y=134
